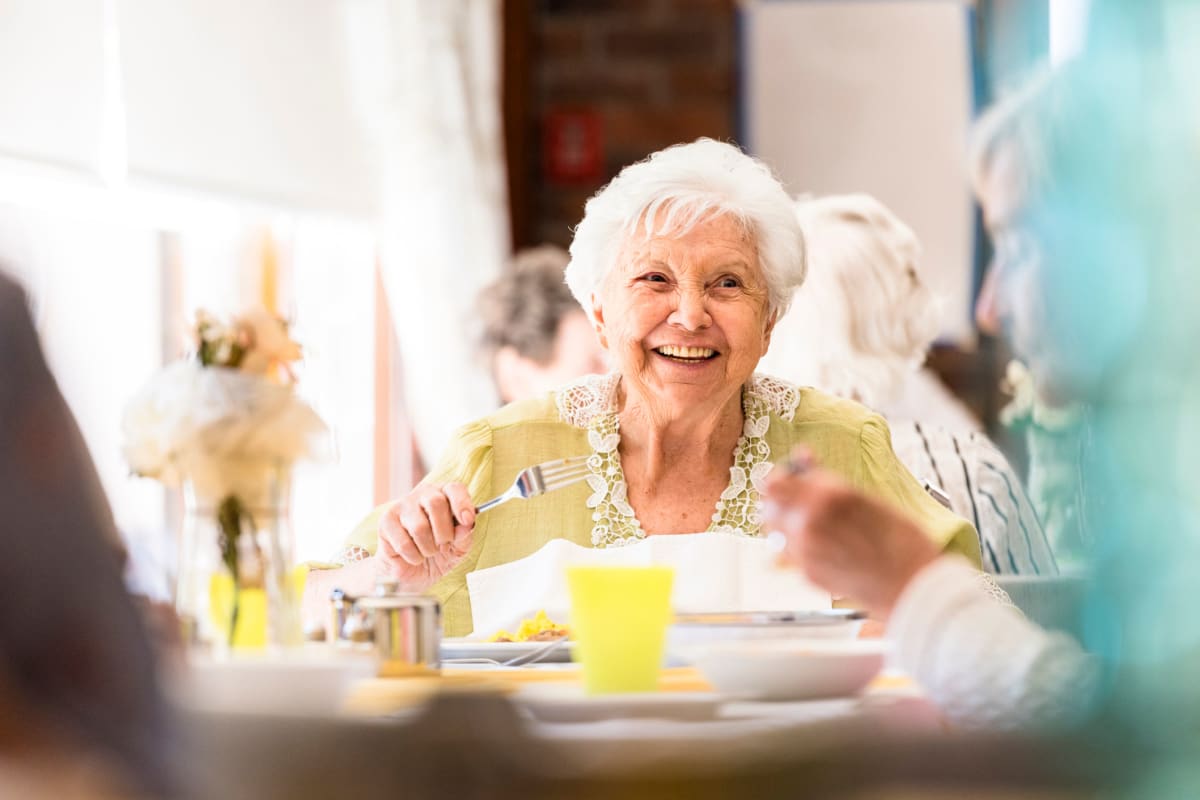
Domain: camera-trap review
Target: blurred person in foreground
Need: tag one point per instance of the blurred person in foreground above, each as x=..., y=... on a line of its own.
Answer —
x=81, y=712
x=1100, y=303
x=536, y=336
x=1005, y=161
x=684, y=262
x=860, y=328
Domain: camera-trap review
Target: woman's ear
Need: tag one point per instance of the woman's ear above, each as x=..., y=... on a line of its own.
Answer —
x=769, y=329
x=598, y=320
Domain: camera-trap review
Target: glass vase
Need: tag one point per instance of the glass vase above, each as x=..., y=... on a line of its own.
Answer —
x=236, y=585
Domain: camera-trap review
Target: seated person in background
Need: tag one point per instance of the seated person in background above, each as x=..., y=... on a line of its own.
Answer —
x=536, y=337
x=80, y=709
x=863, y=322
x=860, y=328
x=684, y=262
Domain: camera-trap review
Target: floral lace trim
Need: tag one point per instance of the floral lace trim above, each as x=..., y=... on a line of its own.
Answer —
x=590, y=403
x=993, y=589
x=351, y=554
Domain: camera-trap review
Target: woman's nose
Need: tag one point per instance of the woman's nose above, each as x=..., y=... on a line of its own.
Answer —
x=691, y=311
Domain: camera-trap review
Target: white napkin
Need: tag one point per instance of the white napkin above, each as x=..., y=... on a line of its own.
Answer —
x=713, y=572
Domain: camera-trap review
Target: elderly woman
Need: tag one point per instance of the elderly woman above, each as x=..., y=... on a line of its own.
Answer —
x=861, y=329
x=684, y=262
x=536, y=337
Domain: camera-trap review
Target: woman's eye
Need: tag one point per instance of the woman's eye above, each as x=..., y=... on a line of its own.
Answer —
x=729, y=282
x=654, y=277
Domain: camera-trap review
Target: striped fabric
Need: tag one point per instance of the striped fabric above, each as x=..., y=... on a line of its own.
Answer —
x=983, y=489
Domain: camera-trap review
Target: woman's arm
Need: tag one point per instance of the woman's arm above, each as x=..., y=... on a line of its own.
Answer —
x=982, y=663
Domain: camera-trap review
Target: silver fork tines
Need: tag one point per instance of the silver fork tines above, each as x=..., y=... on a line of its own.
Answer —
x=541, y=478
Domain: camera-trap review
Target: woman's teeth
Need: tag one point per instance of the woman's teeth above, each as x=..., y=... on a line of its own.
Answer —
x=689, y=353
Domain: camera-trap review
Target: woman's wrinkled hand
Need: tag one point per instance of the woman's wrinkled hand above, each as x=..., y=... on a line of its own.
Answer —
x=422, y=536
x=847, y=543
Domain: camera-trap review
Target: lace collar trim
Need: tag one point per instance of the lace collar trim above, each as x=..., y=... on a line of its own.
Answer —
x=590, y=403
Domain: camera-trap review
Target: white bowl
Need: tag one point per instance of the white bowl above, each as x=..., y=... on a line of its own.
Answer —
x=790, y=669
x=702, y=630
x=302, y=683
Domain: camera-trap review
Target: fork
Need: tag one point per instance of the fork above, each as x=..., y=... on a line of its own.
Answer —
x=534, y=656
x=541, y=478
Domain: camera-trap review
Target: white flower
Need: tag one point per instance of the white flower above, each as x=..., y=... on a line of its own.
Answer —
x=189, y=415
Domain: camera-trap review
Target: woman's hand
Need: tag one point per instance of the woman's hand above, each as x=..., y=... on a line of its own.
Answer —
x=423, y=536
x=847, y=543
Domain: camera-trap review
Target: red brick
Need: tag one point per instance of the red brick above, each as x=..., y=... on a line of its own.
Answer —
x=722, y=9
x=664, y=43
x=643, y=130
x=560, y=41
x=581, y=85
x=691, y=81
x=594, y=8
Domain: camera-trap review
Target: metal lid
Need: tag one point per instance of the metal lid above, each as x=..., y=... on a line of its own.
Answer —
x=407, y=600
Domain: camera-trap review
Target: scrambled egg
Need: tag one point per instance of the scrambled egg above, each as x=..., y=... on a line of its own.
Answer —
x=539, y=629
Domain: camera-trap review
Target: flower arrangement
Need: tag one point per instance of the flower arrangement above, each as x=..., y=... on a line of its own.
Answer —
x=225, y=420
x=233, y=398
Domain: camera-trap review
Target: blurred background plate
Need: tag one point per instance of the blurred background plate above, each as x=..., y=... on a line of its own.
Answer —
x=559, y=702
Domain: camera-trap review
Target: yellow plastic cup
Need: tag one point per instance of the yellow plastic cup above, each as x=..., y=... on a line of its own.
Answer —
x=619, y=619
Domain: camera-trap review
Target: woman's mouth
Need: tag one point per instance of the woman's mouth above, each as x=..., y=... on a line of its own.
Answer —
x=686, y=355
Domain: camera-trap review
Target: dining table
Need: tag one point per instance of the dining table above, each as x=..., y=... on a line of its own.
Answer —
x=479, y=730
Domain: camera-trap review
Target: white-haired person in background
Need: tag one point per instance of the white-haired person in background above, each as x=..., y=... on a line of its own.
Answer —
x=862, y=325
x=684, y=263
x=860, y=328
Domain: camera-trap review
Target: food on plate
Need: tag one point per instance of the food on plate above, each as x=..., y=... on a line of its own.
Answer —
x=540, y=628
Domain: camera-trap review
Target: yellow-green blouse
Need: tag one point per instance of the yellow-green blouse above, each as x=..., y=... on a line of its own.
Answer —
x=581, y=419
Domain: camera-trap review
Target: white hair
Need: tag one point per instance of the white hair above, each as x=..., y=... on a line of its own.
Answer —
x=672, y=191
x=864, y=319
x=1022, y=121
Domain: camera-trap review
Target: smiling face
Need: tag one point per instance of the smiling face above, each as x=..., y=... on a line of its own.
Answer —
x=684, y=317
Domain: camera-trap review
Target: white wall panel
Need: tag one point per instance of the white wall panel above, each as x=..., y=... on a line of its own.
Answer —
x=246, y=97
x=51, y=80
x=871, y=96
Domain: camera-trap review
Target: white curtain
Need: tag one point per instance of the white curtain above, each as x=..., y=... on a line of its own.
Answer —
x=426, y=77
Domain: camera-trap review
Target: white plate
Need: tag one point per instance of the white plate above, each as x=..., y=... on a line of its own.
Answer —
x=563, y=702
x=790, y=669
x=454, y=649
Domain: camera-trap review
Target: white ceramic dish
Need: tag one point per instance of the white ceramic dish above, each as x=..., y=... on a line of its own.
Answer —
x=790, y=669
x=458, y=649
x=563, y=702
x=701, y=630
x=304, y=683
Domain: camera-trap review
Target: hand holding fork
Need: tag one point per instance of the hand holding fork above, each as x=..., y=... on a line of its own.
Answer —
x=423, y=536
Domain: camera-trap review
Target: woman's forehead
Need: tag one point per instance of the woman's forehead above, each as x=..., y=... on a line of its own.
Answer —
x=722, y=239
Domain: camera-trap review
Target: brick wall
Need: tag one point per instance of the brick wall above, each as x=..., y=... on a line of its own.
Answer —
x=647, y=73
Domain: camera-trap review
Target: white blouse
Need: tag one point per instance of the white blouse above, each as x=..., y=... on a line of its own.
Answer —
x=981, y=662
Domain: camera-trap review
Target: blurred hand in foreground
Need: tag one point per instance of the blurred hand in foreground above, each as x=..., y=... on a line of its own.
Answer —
x=847, y=543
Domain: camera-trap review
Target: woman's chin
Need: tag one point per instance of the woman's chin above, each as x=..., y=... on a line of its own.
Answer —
x=691, y=383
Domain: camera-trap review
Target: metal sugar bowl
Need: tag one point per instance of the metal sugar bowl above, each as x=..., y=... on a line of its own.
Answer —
x=406, y=628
